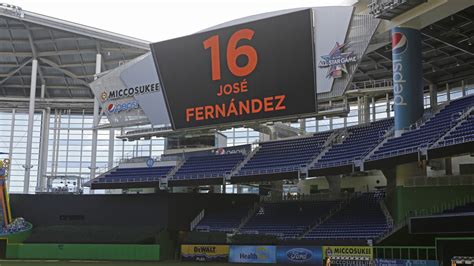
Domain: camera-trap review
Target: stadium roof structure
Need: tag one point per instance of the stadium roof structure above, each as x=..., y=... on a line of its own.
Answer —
x=448, y=53
x=66, y=54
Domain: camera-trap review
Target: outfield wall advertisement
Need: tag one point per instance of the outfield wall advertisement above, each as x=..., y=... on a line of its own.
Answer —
x=205, y=253
x=252, y=254
x=384, y=262
x=299, y=255
x=348, y=251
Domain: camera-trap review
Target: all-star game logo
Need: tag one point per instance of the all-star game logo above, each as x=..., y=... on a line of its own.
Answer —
x=336, y=61
x=103, y=96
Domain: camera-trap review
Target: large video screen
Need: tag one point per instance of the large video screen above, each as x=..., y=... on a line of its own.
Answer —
x=259, y=70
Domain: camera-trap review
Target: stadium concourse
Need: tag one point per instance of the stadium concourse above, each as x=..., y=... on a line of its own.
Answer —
x=336, y=135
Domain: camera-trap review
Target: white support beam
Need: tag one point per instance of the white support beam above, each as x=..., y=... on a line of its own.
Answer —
x=29, y=138
x=463, y=88
x=64, y=71
x=95, y=121
x=374, y=117
x=12, y=138
x=16, y=70
x=111, y=149
x=43, y=152
x=425, y=14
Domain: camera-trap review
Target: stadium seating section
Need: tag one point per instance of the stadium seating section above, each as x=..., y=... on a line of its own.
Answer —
x=287, y=219
x=462, y=133
x=133, y=175
x=285, y=155
x=222, y=221
x=361, y=140
x=427, y=134
x=210, y=166
x=451, y=124
x=362, y=218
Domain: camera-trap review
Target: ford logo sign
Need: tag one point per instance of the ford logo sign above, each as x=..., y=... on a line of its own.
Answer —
x=299, y=254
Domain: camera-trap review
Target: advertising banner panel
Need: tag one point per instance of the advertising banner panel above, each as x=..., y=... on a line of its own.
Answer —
x=252, y=254
x=407, y=76
x=384, y=262
x=205, y=253
x=258, y=70
x=299, y=255
x=348, y=251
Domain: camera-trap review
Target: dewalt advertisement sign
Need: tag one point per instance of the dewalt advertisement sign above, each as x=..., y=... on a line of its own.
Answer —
x=205, y=253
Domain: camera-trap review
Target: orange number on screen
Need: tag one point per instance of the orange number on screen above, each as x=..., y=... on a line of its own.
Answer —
x=233, y=52
x=213, y=43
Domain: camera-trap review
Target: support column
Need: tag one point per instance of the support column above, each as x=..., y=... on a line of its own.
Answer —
x=31, y=116
x=433, y=95
x=110, y=162
x=448, y=93
x=44, y=147
x=463, y=88
x=302, y=126
x=43, y=90
x=12, y=138
x=448, y=164
x=334, y=182
x=387, y=109
x=276, y=190
x=366, y=107
x=407, y=77
x=95, y=122
x=359, y=110
x=374, y=116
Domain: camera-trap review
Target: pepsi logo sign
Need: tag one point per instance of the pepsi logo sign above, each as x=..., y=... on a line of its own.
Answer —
x=119, y=107
x=399, y=43
x=299, y=254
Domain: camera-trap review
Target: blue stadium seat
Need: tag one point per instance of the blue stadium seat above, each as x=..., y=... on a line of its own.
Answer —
x=284, y=155
x=209, y=166
x=222, y=221
x=362, y=218
x=361, y=140
x=134, y=175
x=428, y=133
x=287, y=219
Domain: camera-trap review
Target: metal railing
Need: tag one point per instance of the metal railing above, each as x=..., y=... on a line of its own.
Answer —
x=333, y=211
x=423, y=181
x=453, y=141
x=409, y=252
x=249, y=215
x=196, y=220
x=372, y=84
x=311, y=197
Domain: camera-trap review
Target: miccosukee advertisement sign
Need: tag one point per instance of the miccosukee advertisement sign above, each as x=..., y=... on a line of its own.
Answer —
x=347, y=251
x=258, y=70
x=205, y=253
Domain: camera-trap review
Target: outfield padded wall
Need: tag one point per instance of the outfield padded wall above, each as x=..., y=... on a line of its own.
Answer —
x=84, y=252
x=158, y=210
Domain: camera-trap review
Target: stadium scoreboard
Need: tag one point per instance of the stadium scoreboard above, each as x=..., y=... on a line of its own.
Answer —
x=254, y=71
